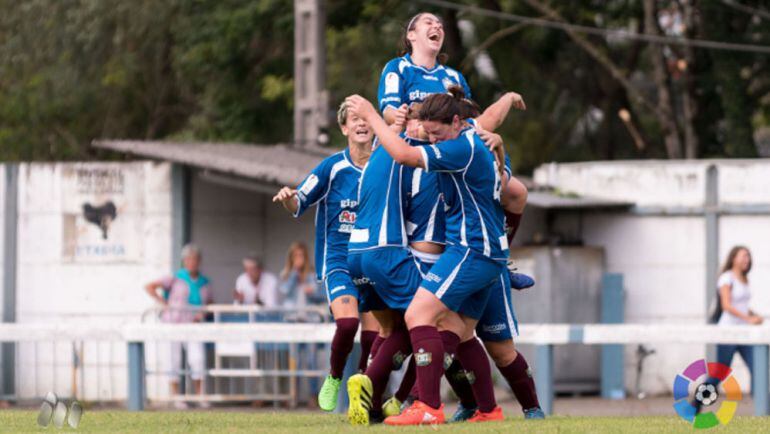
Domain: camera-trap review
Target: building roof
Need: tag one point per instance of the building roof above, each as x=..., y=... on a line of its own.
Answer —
x=552, y=200
x=270, y=164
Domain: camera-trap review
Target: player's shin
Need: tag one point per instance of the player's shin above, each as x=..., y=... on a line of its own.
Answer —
x=474, y=359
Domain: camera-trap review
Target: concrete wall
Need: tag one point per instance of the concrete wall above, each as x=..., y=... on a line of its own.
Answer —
x=663, y=257
x=67, y=271
x=228, y=223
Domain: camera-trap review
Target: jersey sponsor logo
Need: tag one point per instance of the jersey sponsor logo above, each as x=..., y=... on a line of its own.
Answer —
x=494, y=328
x=418, y=95
x=347, y=217
x=309, y=184
x=429, y=77
x=436, y=150
x=337, y=289
x=391, y=83
x=362, y=281
x=348, y=203
x=430, y=277
x=422, y=358
x=346, y=228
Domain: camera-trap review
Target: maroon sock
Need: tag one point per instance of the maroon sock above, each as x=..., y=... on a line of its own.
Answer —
x=453, y=370
x=429, y=362
x=390, y=356
x=407, y=383
x=511, y=225
x=519, y=377
x=376, y=346
x=342, y=343
x=458, y=380
x=474, y=360
x=367, y=340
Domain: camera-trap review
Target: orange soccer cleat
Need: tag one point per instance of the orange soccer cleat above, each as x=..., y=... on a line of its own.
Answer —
x=418, y=414
x=494, y=415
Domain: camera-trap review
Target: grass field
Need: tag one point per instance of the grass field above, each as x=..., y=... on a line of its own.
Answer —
x=314, y=423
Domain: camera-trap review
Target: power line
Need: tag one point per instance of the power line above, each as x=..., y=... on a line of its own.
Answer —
x=656, y=39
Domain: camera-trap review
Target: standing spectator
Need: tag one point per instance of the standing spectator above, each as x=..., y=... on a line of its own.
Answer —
x=734, y=296
x=298, y=282
x=255, y=285
x=182, y=295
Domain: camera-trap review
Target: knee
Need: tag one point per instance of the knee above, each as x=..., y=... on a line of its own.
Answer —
x=503, y=353
x=516, y=193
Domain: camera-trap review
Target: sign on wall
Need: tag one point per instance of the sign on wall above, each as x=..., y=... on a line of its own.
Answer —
x=103, y=208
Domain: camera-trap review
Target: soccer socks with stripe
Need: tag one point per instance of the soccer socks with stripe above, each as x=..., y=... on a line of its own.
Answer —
x=512, y=222
x=429, y=362
x=519, y=377
x=390, y=356
x=474, y=359
x=367, y=340
x=342, y=344
x=407, y=383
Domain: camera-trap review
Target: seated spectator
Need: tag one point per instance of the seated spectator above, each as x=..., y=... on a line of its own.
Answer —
x=255, y=285
x=182, y=295
x=298, y=282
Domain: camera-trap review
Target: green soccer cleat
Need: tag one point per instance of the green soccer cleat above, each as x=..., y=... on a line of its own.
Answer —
x=360, y=396
x=392, y=407
x=327, y=396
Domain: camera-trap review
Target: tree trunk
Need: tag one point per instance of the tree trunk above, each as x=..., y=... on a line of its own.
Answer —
x=665, y=112
x=689, y=104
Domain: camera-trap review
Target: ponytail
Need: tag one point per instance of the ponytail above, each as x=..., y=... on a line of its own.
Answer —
x=443, y=107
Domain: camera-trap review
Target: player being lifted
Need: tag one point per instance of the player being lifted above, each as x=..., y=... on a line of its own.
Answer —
x=419, y=72
x=333, y=187
x=456, y=289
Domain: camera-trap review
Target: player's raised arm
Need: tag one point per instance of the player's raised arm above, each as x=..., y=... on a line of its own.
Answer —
x=494, y=115
x=287, y=196
x=401, y=152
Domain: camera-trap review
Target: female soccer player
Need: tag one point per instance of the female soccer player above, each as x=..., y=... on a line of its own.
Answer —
x=456, y=289
x=333, y=187
x=419, y=72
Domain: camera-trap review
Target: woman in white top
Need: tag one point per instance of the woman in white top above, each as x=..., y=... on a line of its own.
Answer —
x=734, y=296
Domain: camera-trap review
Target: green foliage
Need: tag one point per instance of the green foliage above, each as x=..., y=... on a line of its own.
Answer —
x=222, y=70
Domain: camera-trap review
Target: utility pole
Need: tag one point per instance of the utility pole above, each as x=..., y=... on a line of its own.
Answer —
x=311, y=100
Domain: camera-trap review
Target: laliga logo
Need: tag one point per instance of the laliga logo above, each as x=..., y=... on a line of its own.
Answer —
x=706, y=394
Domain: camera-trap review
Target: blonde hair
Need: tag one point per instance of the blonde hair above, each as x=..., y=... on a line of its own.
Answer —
x=306, y=269
x=342, y=113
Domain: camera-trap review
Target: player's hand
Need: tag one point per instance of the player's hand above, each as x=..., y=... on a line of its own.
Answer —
x=284, y=194
x=400, y=115
x=493, y=141
x=754, y=319
x=518, y=101
x=360, y=106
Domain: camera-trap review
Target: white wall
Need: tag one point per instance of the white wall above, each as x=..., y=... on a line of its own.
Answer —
x=228, y=223
x=662, y=258
x=56, y=285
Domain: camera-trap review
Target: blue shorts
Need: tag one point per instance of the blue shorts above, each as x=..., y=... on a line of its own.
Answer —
x=339, y=283
x=394, y=274
x=498, y=322
x=463, y=279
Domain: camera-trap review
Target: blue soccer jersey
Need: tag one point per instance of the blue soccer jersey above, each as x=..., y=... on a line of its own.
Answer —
x=333, y=186
x=381, y=204
x=471, y=185
x=403, y=82
x=424, y=217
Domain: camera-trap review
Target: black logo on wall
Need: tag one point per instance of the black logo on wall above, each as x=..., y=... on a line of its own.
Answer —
x=101, y=216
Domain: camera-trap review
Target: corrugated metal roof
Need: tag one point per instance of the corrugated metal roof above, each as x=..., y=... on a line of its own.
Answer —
x=553, y=200
x=271, y=164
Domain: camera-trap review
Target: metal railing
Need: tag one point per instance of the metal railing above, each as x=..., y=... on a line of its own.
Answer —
x=240, y=371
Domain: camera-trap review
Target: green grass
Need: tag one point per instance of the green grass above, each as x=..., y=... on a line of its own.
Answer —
x=316, y=423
